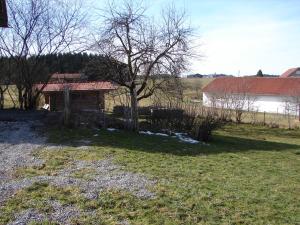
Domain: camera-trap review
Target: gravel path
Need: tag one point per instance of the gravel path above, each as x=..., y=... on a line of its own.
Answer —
x=17, y=142
x=60, y=214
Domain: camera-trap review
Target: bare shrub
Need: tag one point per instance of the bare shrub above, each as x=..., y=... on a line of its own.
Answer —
x=232, y=100
x=193, y=119
x=204, y=126
x=167, y=118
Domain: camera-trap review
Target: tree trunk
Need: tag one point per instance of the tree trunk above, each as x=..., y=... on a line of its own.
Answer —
x=32, y=100
x=20, y=95
x=25, y=99
x=1, y=99
x=134, y=110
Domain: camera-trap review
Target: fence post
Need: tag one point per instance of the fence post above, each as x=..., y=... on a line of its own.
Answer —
x=299, y=112
x=264, y=118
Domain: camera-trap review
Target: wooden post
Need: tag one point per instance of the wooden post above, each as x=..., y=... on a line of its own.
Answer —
x=299, y=112
x=66, y=106
x=264, y=118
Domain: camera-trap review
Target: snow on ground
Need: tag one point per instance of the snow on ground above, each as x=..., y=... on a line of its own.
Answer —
x=181, y=136
x=112, y=129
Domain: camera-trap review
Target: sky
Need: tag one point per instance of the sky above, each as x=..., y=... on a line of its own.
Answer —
x=239, y=37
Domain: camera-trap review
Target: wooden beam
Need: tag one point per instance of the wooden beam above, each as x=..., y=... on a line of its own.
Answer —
x=3, y=14
x=67, y=110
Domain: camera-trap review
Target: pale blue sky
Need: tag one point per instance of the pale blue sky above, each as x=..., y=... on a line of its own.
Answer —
x=241, y=36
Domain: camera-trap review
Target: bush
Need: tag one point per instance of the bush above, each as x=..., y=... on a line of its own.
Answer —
x=203, y=127
x=120, y=110
x=114, y=123
x=199, y=126
x=165, y=118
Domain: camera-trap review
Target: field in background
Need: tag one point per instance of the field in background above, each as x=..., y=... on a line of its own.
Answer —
x=11, y=97
x=192, y=93
x=193, y=87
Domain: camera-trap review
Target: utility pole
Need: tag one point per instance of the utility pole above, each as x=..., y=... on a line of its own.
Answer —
x=3, y=14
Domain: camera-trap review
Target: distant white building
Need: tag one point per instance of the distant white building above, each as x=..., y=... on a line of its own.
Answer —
x=273, y=95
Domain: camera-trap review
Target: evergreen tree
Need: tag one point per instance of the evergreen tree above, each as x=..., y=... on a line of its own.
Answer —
x=259, y=73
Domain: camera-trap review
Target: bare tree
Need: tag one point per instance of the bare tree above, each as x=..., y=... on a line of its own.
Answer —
x=36, y=28
x=233, y=97
x=241, y=99
x=291, y=106
x=142, y=54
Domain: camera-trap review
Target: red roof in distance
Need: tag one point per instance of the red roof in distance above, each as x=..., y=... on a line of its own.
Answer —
x=255, y=86
x=290, y=72
x=83, y=86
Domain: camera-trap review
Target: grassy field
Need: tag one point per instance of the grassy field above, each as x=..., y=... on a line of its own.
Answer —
x=247, y=175
x=193, y=87
x=10, y=97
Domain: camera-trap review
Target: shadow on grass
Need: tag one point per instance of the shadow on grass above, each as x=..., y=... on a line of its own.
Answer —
x=166, y=145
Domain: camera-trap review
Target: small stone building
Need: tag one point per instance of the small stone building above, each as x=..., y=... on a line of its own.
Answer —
x=83, y=96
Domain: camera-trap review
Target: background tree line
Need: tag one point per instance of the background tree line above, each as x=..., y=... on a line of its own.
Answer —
x=48, y=64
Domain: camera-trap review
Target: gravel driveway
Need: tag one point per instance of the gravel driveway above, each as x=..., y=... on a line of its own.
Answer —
x=17, y=142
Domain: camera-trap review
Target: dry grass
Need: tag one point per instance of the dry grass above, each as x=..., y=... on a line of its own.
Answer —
x=193, y=87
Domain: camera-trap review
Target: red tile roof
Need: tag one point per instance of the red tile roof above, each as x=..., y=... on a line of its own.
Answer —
x=290, y=72
x=85, y=86
x=255, y=85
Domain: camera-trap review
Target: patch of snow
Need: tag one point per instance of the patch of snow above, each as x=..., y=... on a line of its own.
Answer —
x=46, y=107
x=147, y=132
x=162, y=134
x=151, y=133
x=181, y=136
x=112, y=129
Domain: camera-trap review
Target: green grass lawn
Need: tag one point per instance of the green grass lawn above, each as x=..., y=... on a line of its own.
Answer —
x=247, y=175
